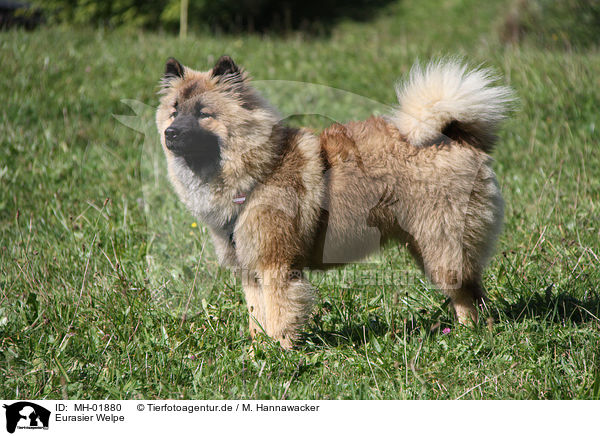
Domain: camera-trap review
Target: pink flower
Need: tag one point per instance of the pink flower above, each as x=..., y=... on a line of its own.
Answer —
x=446, y=331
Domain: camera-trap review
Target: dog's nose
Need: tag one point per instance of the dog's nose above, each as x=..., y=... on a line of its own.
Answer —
x=171, y=133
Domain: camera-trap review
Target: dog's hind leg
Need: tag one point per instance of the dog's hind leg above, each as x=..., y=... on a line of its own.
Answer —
x=445, y=265
x=466, y=299
x=442, y=261
x=455, y=252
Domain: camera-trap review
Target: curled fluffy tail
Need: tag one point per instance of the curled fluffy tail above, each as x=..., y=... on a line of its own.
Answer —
x=446, y=100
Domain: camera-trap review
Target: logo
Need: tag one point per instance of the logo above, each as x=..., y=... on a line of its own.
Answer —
x=26, y=415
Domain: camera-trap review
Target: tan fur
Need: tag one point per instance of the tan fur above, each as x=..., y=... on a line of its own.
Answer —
x=320, y=201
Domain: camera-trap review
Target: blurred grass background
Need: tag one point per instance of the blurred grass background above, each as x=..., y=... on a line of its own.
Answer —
x=82, y=218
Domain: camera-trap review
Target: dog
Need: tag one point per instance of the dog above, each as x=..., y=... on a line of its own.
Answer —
x=277, y=199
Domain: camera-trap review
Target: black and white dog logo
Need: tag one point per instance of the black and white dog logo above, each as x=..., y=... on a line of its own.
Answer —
x=26, y=415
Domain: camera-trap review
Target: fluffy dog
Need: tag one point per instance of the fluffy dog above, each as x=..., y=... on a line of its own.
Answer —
x=278, y=199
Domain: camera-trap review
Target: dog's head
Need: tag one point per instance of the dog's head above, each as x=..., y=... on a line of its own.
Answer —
x=213, y=120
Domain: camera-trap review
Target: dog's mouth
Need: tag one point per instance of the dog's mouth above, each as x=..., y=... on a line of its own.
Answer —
x=196, y=142
x=198, y=147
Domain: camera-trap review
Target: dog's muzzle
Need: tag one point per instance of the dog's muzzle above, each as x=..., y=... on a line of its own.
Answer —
x=191, y=142
x=199, y=147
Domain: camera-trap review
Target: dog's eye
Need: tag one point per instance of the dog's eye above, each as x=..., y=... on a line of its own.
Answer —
x=204, y=115
x=174, y=114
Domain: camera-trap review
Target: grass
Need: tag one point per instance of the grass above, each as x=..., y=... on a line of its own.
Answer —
x=90, y=234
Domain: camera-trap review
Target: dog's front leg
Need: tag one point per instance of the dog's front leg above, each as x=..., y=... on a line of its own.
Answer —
x=255, y=302
x=288, y=300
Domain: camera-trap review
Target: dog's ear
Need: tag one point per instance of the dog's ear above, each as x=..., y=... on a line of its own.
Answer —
x=226, y=69
x=173, y=69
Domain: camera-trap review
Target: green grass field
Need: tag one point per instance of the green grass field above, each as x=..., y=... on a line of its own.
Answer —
x=89, y=235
